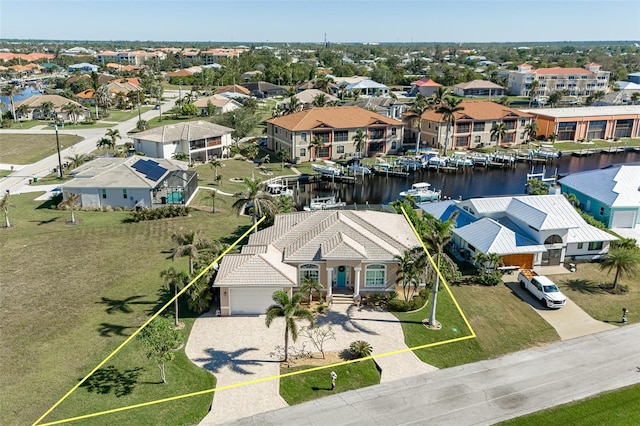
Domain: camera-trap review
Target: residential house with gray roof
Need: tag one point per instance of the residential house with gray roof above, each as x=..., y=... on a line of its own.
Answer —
x=351, y=252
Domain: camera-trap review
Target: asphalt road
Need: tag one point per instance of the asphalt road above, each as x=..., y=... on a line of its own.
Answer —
x=19, y=179
x=485, y=392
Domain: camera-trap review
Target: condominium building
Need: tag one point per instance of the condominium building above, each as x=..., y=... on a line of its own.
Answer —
x=137, y=57
x=212, y=56
x=578, y=82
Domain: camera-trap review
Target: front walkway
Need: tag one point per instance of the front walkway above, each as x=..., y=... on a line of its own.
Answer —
x=238, y=349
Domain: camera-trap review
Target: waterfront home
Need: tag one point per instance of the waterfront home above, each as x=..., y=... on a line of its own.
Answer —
x=611, y=195
x=526, y=231
x=327, y=133
x=472, y=128
x=200, y=140
x=478, y=88
x=351, y=252
x=60, y=105
x=83, y=67
x=132, y=182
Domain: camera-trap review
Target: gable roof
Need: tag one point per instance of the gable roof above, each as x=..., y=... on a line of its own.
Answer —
x=478, y=84
x=616, y=186
x=426, y=82
x=479, y=110
x=217, y=101
x=345, y=117
x=262, y=86
x=263, y=269
x=489, y=236
x=234, y=88
x=366, y=84
x=307, y=96
x=560, y=70
x=188, y=131
x=37, y=101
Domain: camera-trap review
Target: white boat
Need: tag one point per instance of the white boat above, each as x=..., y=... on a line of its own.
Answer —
x=421, y=193
x=480, y=159
x=277, y=189
x=326, y=169
x=503, y=157
x=546, y=151
x=438, y=161
x=359, y=169
x=411, y=163
x=460, y=159
x=324, y=203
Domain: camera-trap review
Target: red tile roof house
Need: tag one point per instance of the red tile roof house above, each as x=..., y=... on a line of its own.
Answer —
x=426, y=86
x=336, y=127
x=473, y=125
x=351, y=252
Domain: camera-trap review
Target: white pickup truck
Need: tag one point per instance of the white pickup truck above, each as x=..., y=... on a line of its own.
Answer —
x=542, y=289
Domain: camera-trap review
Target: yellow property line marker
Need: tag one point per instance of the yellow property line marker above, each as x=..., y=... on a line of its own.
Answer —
x=264, y=379
x=154, y=316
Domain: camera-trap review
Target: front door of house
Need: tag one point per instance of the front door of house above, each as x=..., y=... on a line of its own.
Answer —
x=341, y=276
x=551, y=257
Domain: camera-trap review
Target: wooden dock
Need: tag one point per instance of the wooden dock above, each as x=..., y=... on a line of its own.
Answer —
x=390, y=173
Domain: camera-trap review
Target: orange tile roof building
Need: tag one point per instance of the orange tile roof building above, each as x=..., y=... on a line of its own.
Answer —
x=335, y=127
x=135, y=57
x=27, y=57
x=211, y=56
x=578, y=82
x=472, y=128
x=425, y=85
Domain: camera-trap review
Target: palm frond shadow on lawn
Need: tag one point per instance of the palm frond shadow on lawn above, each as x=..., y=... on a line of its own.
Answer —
x=218, y=359
x=584, y=286
x=123, y=305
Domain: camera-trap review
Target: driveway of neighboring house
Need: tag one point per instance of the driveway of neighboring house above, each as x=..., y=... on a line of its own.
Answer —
x=238, y=349
x=569, y=321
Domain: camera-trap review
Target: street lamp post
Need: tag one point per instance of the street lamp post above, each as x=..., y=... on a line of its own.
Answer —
x=140, y=126
x=59, y=157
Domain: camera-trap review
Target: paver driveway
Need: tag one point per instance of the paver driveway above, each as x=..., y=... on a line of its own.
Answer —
x=237, y=349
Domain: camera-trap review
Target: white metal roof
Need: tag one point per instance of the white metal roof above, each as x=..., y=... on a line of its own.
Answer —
x=366, y=84
x=590, y=111
x=488, y=236
x=616, y=186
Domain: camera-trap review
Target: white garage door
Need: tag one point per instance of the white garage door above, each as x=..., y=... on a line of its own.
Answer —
x=251, y=301
x=623, y=219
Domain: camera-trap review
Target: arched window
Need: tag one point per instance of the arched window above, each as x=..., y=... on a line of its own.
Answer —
x=553, y=239
x=310, y=271
x=375, y=276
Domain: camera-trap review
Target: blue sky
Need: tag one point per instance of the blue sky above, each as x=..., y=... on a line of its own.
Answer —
x=307, y=21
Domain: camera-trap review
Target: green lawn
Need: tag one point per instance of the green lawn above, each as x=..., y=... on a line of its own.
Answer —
x=166, y=120
x=119, y=116
x=615, y=408
x=18, y=148
x=71, y=294
x=583, y=288
x=29, y=124
x=316, y=384
x=4, y=173
x=502, y=322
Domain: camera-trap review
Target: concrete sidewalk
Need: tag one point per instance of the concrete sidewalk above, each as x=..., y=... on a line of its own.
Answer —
x=485, y=392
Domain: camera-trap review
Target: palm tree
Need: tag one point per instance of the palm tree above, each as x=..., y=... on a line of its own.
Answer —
x=448, y=108
x=323, y=84
x=177, y=280
x=212, y=195
x=4, y=206
x=416, y=108
x=554, y=98
x=320, y=100
x=190, y=243
x=104, y=143
x=10, y=91
x=316, y=143
x=283, y=155
x=531, y=130
x=102, y=97
x=533, y=91
x=440, y=95
x=22, y=111
x=294, y=105
x=214, y=163
x=309, y=286
x=259, y=202
x=436, y=237
x=73, y=111
x=498, y=131
x=47, y=109
x=290, y=309
x=70, y=201
x=635, y=96
x=411, y=266
x=552, y=137
x=626, y=262
x=78, y=160
x=114, y=135
x=360, y=140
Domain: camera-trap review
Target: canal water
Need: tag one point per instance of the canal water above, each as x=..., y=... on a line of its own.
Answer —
x=25, y=93
x=473, y=183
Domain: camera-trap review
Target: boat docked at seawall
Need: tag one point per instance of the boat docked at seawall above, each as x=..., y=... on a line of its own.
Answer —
x=278, y=189
x=410, y=163
x=421, y=192
x=324, y=203
x=546, y=151
x=438, y=161
x=327, y=169
x=358, y=169
x=458, y=159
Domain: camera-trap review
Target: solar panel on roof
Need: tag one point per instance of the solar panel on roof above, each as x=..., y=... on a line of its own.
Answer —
x=152, y=170
x=156, y=173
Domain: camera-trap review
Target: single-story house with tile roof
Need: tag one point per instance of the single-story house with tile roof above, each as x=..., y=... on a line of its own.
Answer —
x=350, y=252
x=425, y=86
x=35, y=111
x=476, y=88
x=132, y=182
x=526, y=231
x=83, y=67
x=368, y=88
x=233, y=88
x=219, y=103
x=335, y=127
x=611, y=195
x=201, y=140
x=264, y=89
x=473, y=125
x=307, y=97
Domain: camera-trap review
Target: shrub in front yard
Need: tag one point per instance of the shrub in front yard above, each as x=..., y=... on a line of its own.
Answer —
x=360, y=349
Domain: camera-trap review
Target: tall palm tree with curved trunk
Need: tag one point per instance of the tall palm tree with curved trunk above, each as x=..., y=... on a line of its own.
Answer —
x=498, y=131
x=360, y=140
x=416, y=108
x=176, y=279
x=114, y=135
x=190, y=243
x=5, y=204
x=253, y=195
x=448, y=109
x=70, y=201
x=436, y=237
x=10, y=91
x=290, y=309
x=625, y=261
